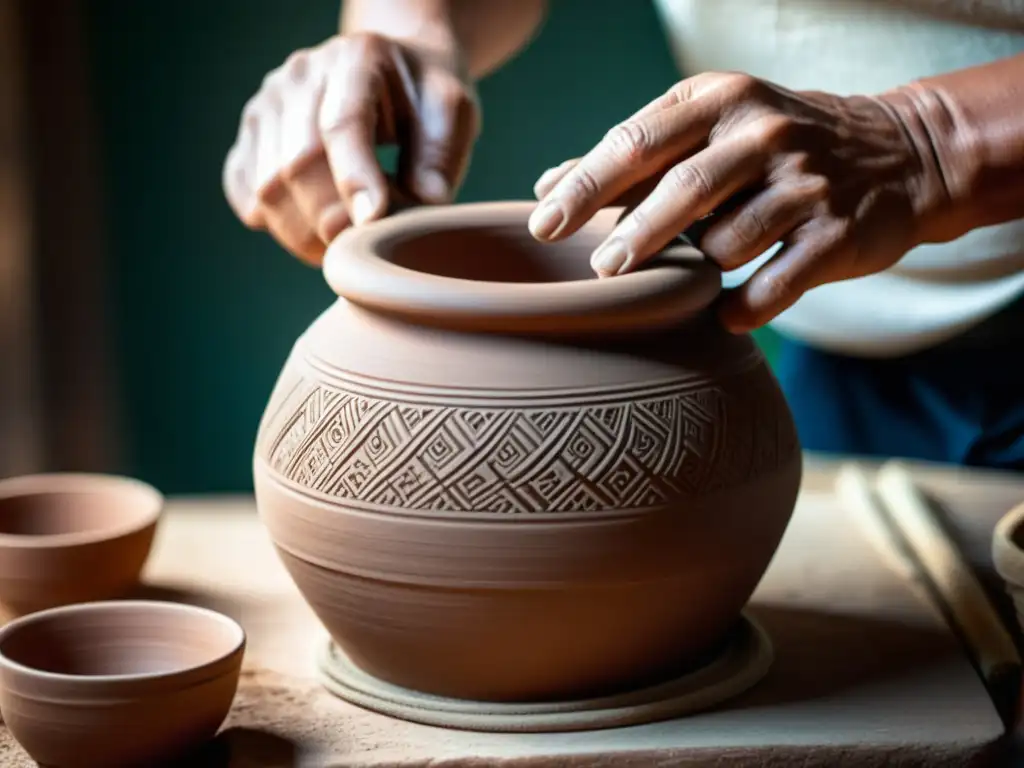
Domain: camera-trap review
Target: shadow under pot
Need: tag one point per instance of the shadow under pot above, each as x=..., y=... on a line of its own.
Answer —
x=495, y=477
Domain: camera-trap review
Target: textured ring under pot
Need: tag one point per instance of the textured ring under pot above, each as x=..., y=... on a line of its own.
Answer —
x=118, y=683
x=498, y=479
x=71, y=538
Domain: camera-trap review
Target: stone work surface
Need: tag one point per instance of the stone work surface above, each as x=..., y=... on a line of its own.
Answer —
x=281, y=721
x=866, y=672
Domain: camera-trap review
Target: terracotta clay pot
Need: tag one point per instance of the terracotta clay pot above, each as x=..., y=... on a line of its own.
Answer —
x=495, y=477
x=117, y=683
x=71, y=538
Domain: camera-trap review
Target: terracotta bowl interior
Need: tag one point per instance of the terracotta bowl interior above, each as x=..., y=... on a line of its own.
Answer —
x=1015, y=534
x=125, y=639
x=1008, y=556
x=74, y=507
x=1008, y=547
x=512, y=255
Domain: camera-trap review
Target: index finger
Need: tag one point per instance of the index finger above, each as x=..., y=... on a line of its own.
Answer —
x=642, y=146
x=354, y=96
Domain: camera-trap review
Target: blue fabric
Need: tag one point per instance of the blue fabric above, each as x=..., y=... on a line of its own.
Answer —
x=954, y=404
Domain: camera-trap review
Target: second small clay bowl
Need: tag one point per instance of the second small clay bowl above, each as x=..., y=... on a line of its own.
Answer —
x=73, y=538
x=118, y=683
x=1008, y=556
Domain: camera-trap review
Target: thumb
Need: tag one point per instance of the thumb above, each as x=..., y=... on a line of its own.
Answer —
x=444, y=129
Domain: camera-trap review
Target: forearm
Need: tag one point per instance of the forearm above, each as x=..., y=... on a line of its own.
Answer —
x=972, y=122
x=997, y=14
x=486, y=33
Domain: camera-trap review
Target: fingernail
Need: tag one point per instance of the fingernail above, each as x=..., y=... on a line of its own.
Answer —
x=432, y=186
x=362, y=207
x=609, y=258
x=546, y=220
x=541, y=187
x=333, y=220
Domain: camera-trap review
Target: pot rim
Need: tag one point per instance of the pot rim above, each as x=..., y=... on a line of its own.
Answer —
x=188, y=674
x=675, y=287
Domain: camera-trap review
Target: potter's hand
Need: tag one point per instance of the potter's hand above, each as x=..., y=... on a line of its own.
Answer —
x=304, y=165
x=843, y=183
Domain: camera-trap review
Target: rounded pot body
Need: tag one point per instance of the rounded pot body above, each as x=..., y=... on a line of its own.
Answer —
x=520, y=516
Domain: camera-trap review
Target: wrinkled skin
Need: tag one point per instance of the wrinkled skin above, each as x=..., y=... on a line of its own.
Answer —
x=303, y=166
x=841, y=182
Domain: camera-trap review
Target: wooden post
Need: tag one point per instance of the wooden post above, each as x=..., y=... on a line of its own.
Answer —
x=21, y=428
x=77, y=378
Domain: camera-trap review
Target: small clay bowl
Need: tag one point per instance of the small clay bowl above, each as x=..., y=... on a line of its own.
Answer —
x=118, y=682
x=1008, y=556
x=73, y=538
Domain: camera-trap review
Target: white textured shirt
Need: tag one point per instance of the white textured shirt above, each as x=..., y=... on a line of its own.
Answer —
x=865, y=47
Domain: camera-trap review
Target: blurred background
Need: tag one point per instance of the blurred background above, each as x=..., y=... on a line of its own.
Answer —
x=141, y=326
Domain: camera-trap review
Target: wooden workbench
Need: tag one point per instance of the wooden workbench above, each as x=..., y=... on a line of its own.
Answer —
x=866, y=670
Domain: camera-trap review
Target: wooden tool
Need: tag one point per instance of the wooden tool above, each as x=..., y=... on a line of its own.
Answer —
x=856, y=493
x=912, y=536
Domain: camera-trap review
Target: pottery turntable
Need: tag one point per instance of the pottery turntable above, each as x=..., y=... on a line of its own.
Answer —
x=742, y=660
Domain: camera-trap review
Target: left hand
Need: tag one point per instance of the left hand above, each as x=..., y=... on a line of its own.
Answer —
x=843, y=182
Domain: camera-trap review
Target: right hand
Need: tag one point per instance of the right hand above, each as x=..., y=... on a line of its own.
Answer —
x=303, y=166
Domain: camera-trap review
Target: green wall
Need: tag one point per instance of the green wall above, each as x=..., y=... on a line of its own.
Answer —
x=206, y=311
